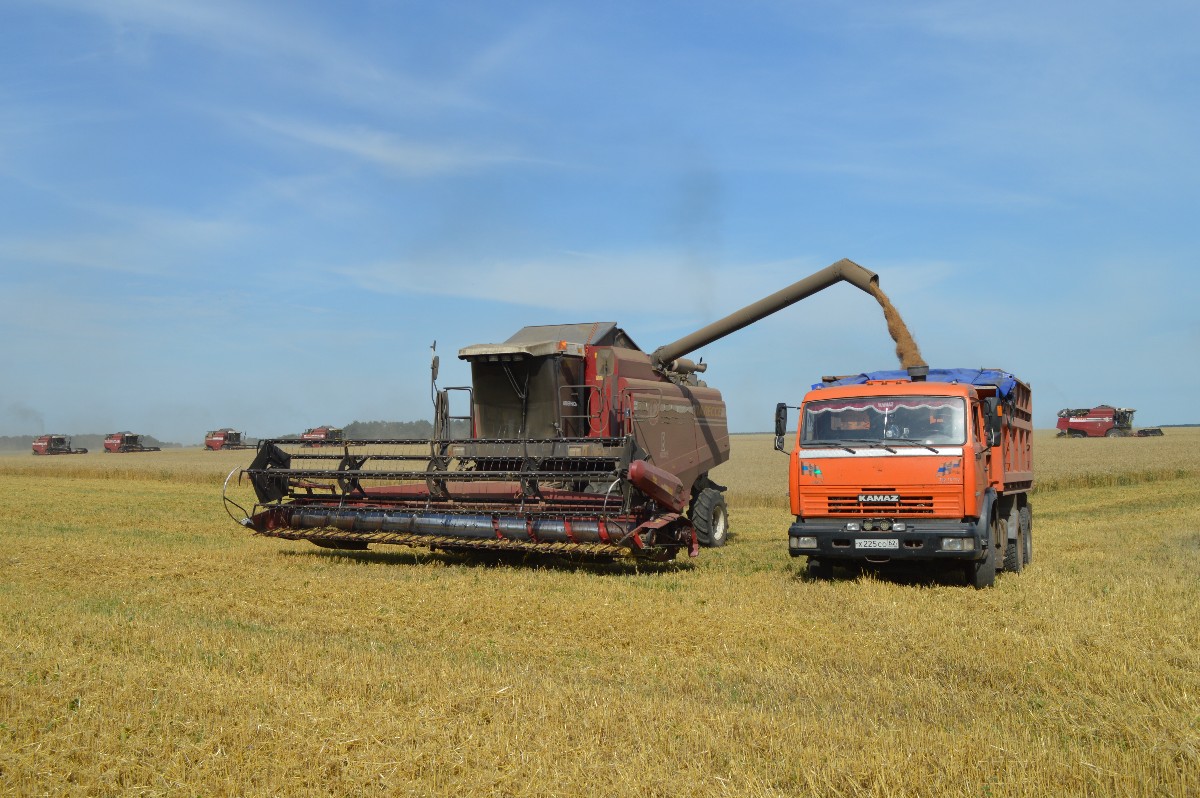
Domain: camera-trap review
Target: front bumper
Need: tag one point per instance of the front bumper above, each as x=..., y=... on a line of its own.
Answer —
x=922, y=539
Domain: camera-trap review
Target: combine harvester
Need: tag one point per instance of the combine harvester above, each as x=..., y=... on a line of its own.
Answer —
x=122, y=442
x=580, y=443
x=323, y=436
x=55, y=444
x=225, y=439
x=1102, y=421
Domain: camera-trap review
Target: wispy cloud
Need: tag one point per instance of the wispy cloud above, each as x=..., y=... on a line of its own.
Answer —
x=136, y=241
x=658, y=282
x=389, y=151
x=316, y=59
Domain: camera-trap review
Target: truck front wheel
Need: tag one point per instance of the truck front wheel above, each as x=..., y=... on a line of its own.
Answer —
x=982, y=573
x=819, y=569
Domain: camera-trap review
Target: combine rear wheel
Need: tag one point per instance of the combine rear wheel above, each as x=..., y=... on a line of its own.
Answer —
x=710, y=516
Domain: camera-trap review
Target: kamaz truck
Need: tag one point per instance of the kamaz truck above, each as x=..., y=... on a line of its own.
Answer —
x=920, y=466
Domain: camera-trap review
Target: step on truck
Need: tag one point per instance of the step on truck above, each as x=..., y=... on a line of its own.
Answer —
x=907, y=467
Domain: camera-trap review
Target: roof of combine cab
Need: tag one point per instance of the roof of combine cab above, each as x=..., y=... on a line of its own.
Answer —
x=1004, y=382
x=548, y=339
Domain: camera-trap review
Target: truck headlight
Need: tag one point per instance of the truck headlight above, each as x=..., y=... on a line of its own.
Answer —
x=958, y=544
x=803, y=542
x=899, y=526
x=853, y=526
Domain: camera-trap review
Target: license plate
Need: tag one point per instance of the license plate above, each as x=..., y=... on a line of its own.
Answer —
x=876, y=543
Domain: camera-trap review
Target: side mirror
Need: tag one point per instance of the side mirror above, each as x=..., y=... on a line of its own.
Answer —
x=433, y=367
x=781, y=415
x=994, y=421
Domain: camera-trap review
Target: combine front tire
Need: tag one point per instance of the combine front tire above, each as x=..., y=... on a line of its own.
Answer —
x=710, y=516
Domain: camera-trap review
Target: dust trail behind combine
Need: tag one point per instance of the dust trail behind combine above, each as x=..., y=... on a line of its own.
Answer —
x=906, y=348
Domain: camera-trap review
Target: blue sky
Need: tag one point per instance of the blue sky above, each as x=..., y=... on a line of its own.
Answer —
x=261, y=214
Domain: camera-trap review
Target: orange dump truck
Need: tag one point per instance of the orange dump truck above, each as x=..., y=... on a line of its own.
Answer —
x=925, y=466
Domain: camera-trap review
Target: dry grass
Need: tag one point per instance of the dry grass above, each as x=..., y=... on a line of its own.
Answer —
x=149, y=646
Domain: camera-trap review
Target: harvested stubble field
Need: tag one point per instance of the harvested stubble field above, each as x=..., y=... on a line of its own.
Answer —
x=150, y=646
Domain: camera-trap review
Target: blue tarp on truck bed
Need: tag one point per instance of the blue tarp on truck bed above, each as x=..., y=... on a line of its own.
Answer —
x=1003, y=381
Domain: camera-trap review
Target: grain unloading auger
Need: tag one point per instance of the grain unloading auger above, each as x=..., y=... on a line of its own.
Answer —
x=577, y=442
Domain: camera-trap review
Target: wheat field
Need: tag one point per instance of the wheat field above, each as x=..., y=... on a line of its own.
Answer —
x=149, y=646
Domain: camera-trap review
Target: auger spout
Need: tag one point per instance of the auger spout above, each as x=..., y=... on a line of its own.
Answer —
x=844, y=269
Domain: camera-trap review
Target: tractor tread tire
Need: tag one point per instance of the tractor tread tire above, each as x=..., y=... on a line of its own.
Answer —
x=710, y=516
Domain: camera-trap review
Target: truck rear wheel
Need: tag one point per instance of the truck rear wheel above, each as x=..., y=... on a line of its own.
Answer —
x=1025, y=519
x=710, y=516
x=1014, y=551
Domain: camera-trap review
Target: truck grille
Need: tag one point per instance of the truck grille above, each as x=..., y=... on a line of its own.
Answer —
x=934, y=503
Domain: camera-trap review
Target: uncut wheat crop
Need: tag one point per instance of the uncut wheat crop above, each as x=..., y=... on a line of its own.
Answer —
x=150, y=646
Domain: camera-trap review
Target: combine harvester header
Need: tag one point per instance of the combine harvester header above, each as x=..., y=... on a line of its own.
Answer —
x=580, y=442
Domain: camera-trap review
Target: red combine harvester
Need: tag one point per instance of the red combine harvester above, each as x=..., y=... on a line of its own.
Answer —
x=220, y=439
x=1103, y=421
x=323, y=436
x=580, y=443
x=55, y=444
x=120, y=442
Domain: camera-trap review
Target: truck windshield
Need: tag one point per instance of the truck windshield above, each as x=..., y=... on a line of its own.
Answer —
x=896, y=420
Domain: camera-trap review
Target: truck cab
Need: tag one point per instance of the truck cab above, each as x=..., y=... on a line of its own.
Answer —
x=888, y=468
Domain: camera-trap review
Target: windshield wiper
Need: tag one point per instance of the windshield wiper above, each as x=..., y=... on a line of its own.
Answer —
x=829, y=444
x=871, y=442
x=917, y=442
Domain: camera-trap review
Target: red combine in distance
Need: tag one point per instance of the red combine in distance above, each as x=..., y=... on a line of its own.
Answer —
x=223, y=439
x=55, y=444
x=1103, y=421
x=122, y=442
x=576, y=442
x=323, y=436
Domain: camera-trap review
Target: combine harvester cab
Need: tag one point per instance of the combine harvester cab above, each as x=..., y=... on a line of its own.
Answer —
x=123, y=442
x=225, y=439
x=55, y=444
x=576, y=442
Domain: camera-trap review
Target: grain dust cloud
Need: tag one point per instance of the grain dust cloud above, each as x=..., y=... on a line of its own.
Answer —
x=906, y=348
